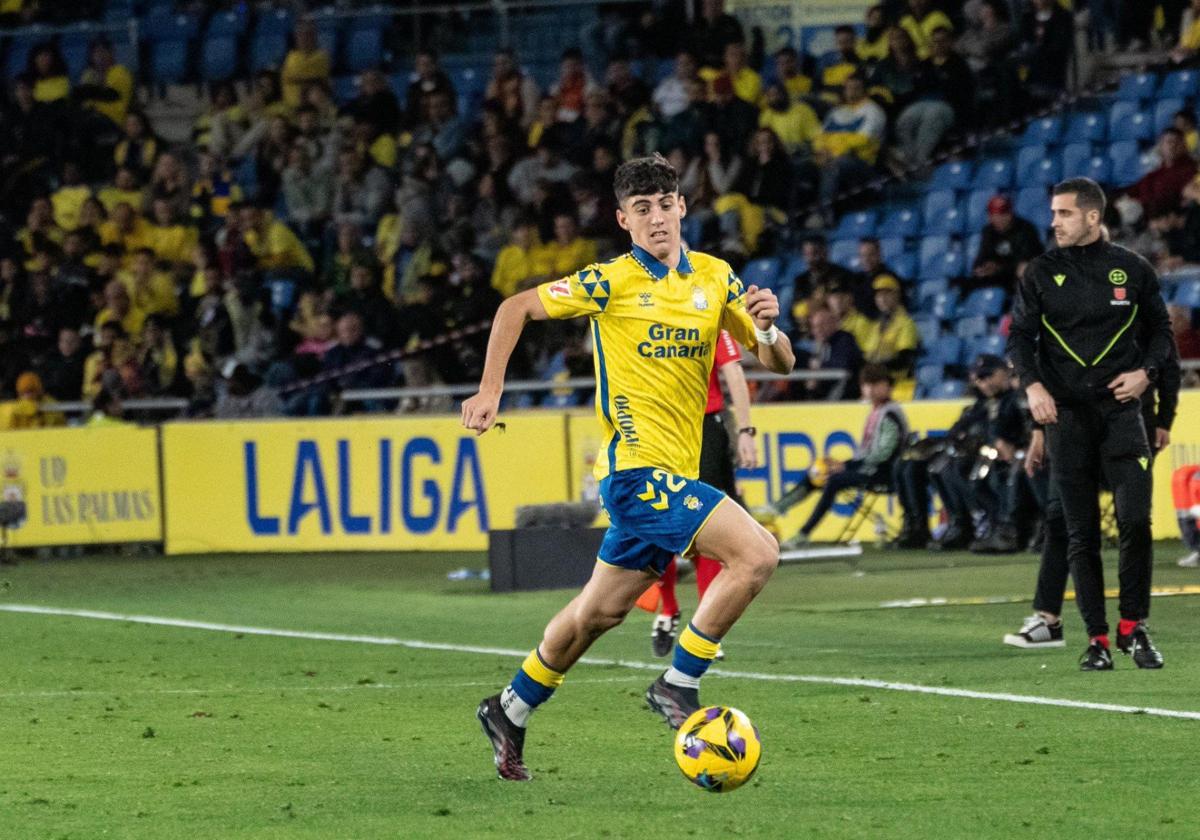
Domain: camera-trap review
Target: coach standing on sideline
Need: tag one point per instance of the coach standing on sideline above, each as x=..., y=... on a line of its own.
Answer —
x=1080, y=312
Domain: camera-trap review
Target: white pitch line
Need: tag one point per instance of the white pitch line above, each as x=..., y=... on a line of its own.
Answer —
x=416, y=644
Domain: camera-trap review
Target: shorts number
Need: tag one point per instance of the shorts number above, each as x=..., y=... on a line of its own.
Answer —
x=674, y=483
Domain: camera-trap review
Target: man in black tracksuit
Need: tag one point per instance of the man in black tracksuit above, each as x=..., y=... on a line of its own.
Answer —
x=1089, y=336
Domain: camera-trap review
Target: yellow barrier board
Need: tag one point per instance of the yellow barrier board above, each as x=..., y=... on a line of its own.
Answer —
x=370, y=483
x=82, y=486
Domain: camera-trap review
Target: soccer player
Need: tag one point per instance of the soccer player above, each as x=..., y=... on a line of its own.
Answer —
x=655, y=313
x=716, y=468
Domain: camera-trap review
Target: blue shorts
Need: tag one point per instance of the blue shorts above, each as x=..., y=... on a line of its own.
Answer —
x=655, y=515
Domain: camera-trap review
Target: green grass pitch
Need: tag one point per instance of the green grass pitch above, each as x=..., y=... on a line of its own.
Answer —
x=121, y=729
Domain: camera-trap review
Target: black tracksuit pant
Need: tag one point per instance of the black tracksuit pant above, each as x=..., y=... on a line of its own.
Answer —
x=1089, y=440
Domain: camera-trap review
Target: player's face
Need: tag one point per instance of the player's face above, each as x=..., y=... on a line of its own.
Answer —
x=653, y=221
x=1071, y=225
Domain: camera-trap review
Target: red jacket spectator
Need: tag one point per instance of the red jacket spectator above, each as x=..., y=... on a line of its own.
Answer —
x=1161, y=189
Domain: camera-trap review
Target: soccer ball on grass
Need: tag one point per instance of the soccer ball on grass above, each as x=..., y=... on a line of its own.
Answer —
x=718, y=748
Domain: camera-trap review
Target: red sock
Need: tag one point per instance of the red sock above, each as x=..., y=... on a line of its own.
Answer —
x=706, y=569
x=670, y=606
x=1100, y=640
x=1125, y=626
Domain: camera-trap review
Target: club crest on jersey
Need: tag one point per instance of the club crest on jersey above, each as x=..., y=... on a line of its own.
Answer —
x=698, y=298
x=1119, y=294
x=1118, y=298
x=692, y=503
x=560, y=288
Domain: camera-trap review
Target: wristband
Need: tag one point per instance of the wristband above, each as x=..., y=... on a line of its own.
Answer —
x=767, y=337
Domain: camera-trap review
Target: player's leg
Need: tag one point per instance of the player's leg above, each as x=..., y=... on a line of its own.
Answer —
x=1127, y=465
x=837, y=482
x=1044, y=628
x=1074, y=450
x=666, y=620
x=601, y=605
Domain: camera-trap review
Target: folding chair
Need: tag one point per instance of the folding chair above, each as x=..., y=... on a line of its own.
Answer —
x=864, y=500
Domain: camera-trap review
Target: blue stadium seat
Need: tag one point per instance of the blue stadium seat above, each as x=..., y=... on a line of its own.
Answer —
x=345, y=88
x=1187, y=294
x=1044, y=131
x=162, y=24
x=944, y=351
x=977, y=214
x=891, y=248
x=763, y=272
x=1182, y=84
x=927, y=290
x=1137, y=86
x=364, y=49
x=970, y=326
x=1028, y=157
x=900, y=221
x=1098, y=168
x=1127, y=121
x=955, y=175
x=329, y=32
x=1033, y=204
x=793, y=266
x=1089, y=127
x=168, y=62
x=844, y=252
x=944, y=305
x=929, y=329
x=275, y=22
x=994, y=173
x=905, y=265
x=949, y=264
x=1127, y=164
x=855, y=225
x=941, y=213
x=932, y=247
x=229, y=24
x=692, y=230
x=929, y=377
x=267, y=51
x=994, y=344
x=1074, y=159
x=1043, y=169
x=1164, y=113
x=987, y=302
x=951, y=389
x=218, y=58
x=973, y=243
x=75, y=46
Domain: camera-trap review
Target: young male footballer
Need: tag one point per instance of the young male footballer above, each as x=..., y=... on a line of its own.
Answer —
x=655, y=314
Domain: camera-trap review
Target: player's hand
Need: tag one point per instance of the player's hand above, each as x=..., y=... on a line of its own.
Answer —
x=763, y=307
x=479, y=412
x=1162, y=437
x=747, y=455
x=1035, y=453
x=1041, y=404
x=1129, y=385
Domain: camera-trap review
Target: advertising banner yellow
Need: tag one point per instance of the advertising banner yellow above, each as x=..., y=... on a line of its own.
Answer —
x=782, y=21
x=82, y=486
x=382, y=483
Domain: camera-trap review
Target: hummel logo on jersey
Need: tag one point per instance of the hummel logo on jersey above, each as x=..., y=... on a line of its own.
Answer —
x=645, y=299
x=1060, y=279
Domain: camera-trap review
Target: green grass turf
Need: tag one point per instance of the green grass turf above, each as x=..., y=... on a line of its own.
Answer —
x=114, y=729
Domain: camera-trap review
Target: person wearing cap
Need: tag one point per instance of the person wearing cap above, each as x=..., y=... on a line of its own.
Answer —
x=894, y=340
x=1089, y=336
x=26, y=411
x=1007, y=434
x=1006, y=244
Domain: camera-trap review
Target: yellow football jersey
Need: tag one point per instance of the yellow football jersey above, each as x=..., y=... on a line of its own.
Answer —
x=653, y=331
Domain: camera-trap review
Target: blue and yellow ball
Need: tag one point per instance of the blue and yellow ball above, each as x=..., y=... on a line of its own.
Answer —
x=718, y=749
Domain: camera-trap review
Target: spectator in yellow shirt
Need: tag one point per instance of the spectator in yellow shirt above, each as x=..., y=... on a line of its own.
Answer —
x=106, y=87
x=171, y=240
x=150, y=291
x=125, y=228
x=304, y=65
x=39, y=226
x=272, y=242
x=920, y=23
x=68, y=199
x=568, y=252
x=1189, y=35
x=791, y=75
x=49, y=73
x=26, y=411
x=138, y=149
x=517, y=263
x=747, y=84
x=125, y=188
x=894, y=341
x=118, y=307
x=794, y=123
x=873, y=46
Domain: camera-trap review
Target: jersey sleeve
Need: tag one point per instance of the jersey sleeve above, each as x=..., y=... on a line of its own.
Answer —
x=726, y=351
x=734, y=318
x=585, y=292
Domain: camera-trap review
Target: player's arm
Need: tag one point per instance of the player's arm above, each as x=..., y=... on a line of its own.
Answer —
x=1158, y=341
x=739, y=397
x=479, y=412
x=1022, y=346
x=763, y=308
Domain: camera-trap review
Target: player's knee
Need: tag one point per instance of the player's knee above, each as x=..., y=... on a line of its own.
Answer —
x=597, y=622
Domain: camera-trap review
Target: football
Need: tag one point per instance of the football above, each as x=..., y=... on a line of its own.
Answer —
x=718, y=748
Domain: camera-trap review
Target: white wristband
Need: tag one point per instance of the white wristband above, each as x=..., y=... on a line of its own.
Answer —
x=767, y=337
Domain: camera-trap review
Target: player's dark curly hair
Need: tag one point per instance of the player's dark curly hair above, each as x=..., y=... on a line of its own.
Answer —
x=645, y=176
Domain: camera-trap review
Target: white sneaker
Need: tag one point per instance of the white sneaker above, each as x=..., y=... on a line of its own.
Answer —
x=1036, y=633
x=1190, y=561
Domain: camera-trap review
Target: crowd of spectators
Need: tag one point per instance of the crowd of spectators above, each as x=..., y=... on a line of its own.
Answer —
x=293, y=236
